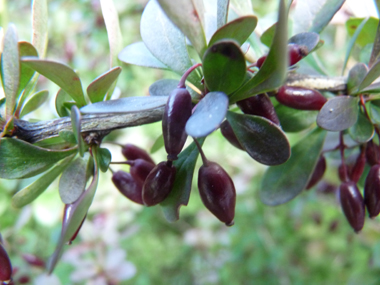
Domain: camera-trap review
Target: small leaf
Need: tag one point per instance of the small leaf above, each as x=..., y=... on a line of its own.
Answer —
x=32, y=191
x=293, y=120
x=34, y=102
x=60, y=100
x=362, y=131
x=282, y=183
x=163, y=87
x=224, y=67
x=99, y=86
x=262, y=139
x=356, y=76
x=76, y=124
x=19, y=159
x=368, y=33
x=158, y=144
x=138, y=54
x=308, y=39
x=373, y=88
x=376, y=47
x=273, y=72
x=239, y=30
x=221, y=13
x=10, y=69
x=371, y=76
x=313, y=16
x=125, y=105
x=73, y=180
x=180, y=193
x=374, y=108
x=267, y=37
x=40, y=26
x=188, y=16
x=339, y=113
x=68, y=136
x=104, y=159
x=208, y=115
x=26, y=74
x=60, y=74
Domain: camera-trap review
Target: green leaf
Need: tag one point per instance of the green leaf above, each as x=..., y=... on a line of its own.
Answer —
x=376, y=47
x=293, y=120
x=374, y=108
x=274, y=70
x=163, y=87
x=238, y=30
x=32, y=191
x=356, y=76
x=40, y=26
x=313, y=16
x=282, y=183
x=60, y=103
x=263, y=140
x=368, y=33
x=60, y=74
x=221, y=13
x=180, y=193
x=158, y=144
x=19, y=159
x=73, y=180
x=208, y=115
x=267, y=37
x=138, y=54
x=99, y=86
x=362, y=131
x=373, y=88
x=75, y=214
x=371, y=76
x=68, y=136
x=104, y=159
x=34, y=102
x=125, y=105
x=188, y=16
x=26, y=74
x=242, y=7
x=308, y=39
x=224, y=67
x=76, y=124
x=10, y=69
x=338, y=113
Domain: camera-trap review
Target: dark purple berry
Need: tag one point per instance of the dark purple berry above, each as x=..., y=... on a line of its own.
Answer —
x=259, y=105
x=352, y=204
x=296, y=53
x=229, y=134
x=23, y=279
x=217, y=192
x=140, y=169
x=372, y=153
x=158, y=184
x=372, y=191
x=33, y=260
x=260, y=61
x=5, y=265
x=127, y=186
x=177, y=112
x=132, y=152
x=358, y=167
x=319, y=170
x=300, y=98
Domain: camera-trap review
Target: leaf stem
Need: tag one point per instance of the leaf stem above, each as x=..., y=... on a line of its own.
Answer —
x=204, y=159
x=182, y=81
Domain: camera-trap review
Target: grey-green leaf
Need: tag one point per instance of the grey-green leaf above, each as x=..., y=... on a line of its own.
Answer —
x=26, y=74
x=339, y=113
x=32, y=191
x=356, y=76
x=163, y=87
x=35, y=101
x=376, y=47
x=99, y=86
x=362, y=131
x=221, y=12
x=104, y=159
x=76, y=124
x=19, y=159
x=281, y=183
x=308, y=39
x=60, y=103
x=371, y=76
x=263, y=140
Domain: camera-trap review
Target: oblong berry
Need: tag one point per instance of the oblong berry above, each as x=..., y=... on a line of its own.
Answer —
x=5, y=265
x=140, y=169
x=372, y=153
x=33, y=260
x=133, y=152
x=158, y=184
x=259, y=105
x=127, y=186
x=296, y=53
x=217, y=192
x=352, y=204
x=177, y=112
x=358, y=167
x=319, y=170
x=300, y=98
x=229, y=134
x=372, y=191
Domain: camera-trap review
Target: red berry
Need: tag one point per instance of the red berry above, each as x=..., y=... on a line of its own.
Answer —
x=132, y=152
x=319, y=170
x=372, y=153
x=217, y=192
x=358, y=167
x=127, y=186
x=260, y=61
x=33, y=260
x=372, y=191
x=352, y=204
x=296, y=53
x=5, y=265
x=229, y=134
x=140, y=169
x=300, y=98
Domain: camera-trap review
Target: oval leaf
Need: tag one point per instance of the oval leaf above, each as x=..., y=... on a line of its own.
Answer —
x=60, y=74
x=339, y=113
x=208, y=115
x=32, y=191
x=293, y=120
x=224, y=67
x=263, y=140
x=239, y=30
x=282, y=183
x=180, y=193
x=104, y=159
x=356, y=76
x=308, y=39
x=61, y=101
x=99, y=86
x=26, y=49
x=34, y=102
x=126, y=105
x=163, y=87
x=371, y=76
x=19, y=159
x=268, y=35
x=76, y=124
x=362, y=131
x=138, y=54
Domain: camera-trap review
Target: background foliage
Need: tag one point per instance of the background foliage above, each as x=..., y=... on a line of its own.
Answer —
x=304, y=241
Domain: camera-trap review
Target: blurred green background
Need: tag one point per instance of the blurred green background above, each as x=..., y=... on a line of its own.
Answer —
x=306, y=241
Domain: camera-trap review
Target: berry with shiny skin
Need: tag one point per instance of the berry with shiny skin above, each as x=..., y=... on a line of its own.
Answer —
x=127, y=186
x=133, y=152
x=358, y=167
x=140, y=169
x=300, y=98
x=319, y=170
x=5, y=265
x=372, y=191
